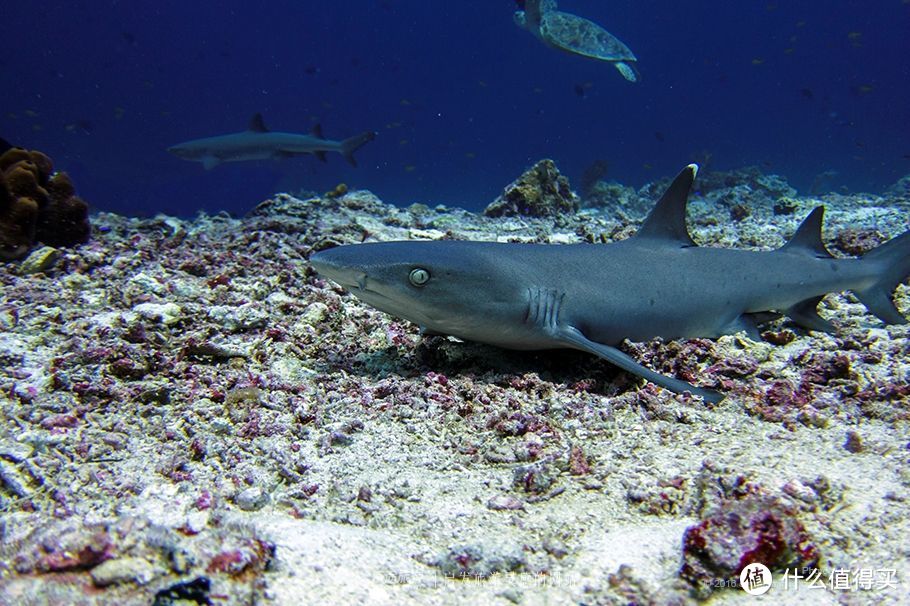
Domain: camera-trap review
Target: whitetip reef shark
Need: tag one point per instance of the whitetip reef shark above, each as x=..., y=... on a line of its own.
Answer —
x=590, y=297
x=259, y=143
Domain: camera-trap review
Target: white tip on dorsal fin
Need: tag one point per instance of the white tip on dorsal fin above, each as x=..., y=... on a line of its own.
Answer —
x=667, y=220
x=808, y=236
x=257, y=124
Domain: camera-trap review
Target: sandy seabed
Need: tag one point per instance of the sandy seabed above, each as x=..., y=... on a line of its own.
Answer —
x=191, y=415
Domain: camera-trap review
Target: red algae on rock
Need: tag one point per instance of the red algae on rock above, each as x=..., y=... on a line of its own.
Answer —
x=744, y=524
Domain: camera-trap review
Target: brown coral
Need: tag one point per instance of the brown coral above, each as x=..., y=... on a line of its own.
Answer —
x=37, y=205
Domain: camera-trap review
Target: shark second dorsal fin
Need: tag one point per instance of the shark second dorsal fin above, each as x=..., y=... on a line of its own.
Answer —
x=808, y=236
x=257, y=124
x=667, y=220
x=316, y=131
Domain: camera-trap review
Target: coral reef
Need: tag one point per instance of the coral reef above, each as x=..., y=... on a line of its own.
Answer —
x=190, y=413
x=541, y=191
x=37, y=205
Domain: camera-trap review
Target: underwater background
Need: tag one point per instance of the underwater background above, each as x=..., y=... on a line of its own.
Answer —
x=462, y=99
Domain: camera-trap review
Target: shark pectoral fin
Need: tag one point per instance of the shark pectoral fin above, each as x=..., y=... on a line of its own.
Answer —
x=321, y=156
x=576, y=339
x=210, y=162
x=806, y=315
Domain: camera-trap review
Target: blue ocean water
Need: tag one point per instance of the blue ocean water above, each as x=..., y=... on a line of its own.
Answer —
x=462, y=99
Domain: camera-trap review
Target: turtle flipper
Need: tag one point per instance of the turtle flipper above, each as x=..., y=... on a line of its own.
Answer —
x=628, y=72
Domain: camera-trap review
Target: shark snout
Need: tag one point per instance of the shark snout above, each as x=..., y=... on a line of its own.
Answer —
x=330, y=267
x=178, y=150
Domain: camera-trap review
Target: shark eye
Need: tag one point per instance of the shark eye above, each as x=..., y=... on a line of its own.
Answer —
x=419, y=276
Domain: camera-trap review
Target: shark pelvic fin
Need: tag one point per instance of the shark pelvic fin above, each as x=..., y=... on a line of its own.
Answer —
x=748, y=323
x=806, y=315
x=808, y=236
x=257, y=124
x=667, y=221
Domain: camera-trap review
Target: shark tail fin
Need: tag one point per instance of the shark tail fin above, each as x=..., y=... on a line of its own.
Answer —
x=894, y=258
x=352, y=144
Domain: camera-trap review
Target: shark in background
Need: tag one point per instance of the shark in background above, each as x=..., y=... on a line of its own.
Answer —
x=257, y=142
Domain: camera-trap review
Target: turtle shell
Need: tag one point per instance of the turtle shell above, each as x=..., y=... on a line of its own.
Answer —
x=582, y=37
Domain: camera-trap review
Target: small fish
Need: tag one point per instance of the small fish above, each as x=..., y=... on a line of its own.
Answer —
x=758, y=61
x=581, y=89
x=80, y=126
x=31, y=113
x=807, y=93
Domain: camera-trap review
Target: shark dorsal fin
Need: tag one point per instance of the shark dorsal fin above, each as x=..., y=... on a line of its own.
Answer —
x=808, y=236
x=316, y=131
x=667, y=220
x=257, y=124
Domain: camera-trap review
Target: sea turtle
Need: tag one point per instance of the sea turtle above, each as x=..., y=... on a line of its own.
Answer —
x=575, y=35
